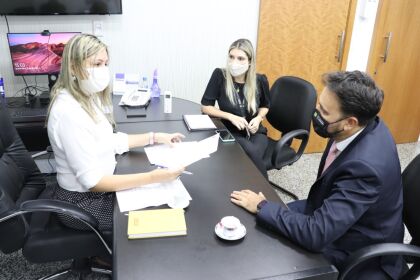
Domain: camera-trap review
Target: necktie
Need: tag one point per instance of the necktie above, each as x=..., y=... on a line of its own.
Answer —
x=332, y=154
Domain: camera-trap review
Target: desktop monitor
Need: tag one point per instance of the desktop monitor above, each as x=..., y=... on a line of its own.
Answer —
x=37, y=53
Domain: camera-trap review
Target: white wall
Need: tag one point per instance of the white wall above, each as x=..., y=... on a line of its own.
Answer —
x=184, y=39
x=364, y=23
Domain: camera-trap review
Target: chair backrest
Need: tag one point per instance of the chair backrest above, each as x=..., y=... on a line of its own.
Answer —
x=293, y=102
x=20, y=180
x=411, y=194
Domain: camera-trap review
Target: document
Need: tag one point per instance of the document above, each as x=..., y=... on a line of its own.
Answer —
x=156, y=223
x=152, y=195
x=210, y=144
x=182, y=154
x=198, y=122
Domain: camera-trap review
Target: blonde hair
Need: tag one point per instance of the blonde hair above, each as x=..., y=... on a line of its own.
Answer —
x=73, y=69
x=250, y=88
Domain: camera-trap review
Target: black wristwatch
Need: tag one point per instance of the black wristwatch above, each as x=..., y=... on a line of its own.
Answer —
x=261, y=204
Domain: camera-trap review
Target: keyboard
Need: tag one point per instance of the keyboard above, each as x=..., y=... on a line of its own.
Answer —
x=27, y=114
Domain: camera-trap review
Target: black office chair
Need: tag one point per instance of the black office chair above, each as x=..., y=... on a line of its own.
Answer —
x=293, y=102
x=411, y=194
x=27, y=215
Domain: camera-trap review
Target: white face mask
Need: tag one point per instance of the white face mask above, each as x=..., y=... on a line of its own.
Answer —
x=237, y=69
x=98, y=80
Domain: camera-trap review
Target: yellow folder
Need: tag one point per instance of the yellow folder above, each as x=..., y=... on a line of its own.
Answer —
x=156, y=223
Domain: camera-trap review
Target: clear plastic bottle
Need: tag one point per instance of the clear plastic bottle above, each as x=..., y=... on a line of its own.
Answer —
x=155, y=87
x=144, y=83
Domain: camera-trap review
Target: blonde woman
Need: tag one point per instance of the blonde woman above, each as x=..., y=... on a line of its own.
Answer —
x=80, y=129
x=242, y=96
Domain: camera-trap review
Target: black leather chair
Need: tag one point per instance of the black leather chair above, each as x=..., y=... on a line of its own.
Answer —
x=293, y=102
x=411, y=195
x=27, y=214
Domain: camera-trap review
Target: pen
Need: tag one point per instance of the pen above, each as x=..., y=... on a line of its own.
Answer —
x=183, y=172
x=248, y=135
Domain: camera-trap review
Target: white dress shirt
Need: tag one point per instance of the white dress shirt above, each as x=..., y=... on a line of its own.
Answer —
x=84, y=150
x=344, y=143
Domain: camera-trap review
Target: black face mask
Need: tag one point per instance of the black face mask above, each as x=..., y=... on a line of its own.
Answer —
x=321, y=125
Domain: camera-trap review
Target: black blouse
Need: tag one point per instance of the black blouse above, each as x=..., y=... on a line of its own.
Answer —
x=216, y=91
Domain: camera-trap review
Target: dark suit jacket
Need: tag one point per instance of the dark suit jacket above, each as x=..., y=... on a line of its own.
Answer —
x=355, y=203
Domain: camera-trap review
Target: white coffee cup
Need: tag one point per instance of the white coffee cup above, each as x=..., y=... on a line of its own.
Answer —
x=229, y=225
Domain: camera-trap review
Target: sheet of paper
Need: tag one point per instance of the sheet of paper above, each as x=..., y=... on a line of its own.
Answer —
x=210, y=144
x=181, y=154
x=151, y=195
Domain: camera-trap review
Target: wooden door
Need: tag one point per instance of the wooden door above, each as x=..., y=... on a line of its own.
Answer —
x=394, y=62
x=303, y=38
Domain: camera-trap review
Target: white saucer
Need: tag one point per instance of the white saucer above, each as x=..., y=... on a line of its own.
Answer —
x=240, y=232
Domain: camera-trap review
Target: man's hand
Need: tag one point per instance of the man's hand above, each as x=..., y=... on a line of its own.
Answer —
x=254, y=124
x=247, y=199
x=168, y=138
x=237, y=121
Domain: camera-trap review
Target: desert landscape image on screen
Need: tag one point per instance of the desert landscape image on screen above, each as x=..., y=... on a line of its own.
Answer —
x=34, y=54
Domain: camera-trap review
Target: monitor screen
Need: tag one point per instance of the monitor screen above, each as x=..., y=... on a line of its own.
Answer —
x=60, y=7
x=37, y=54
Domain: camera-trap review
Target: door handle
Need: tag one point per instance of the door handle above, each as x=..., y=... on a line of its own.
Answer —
x=339, y=55
x=387, y=46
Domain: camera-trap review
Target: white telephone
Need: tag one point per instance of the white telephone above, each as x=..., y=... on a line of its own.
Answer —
x=137, y=98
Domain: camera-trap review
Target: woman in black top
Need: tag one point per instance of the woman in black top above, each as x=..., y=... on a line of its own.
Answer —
x=243, y=99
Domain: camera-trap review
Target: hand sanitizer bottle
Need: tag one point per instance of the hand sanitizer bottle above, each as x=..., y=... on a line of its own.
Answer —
x=145, y=84
x=155, y=87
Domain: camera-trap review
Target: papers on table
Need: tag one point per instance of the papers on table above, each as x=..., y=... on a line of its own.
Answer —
x=198, y=122
x=210, y=144
x=172, y=193
x=152, y=195
x=182, y=154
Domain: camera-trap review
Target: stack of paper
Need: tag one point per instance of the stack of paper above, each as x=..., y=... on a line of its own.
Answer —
x=152, y=195
x=156, y=223
x=198, y=122
x=182, y=154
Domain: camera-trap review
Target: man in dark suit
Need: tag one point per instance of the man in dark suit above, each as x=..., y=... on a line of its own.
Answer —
x=356, y=199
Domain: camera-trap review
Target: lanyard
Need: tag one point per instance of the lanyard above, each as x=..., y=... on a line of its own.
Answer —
x=241, y=103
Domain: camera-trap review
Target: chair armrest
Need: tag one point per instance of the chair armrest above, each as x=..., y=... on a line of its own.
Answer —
x=285, y=139
x=60, y=207
x=377, y=250
x=47, y=150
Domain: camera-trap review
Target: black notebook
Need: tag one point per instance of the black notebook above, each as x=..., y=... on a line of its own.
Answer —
x=135, y=112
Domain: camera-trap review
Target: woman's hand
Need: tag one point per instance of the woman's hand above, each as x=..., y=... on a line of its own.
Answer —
x=247, y=199
x=254, y=124
x=237, y=121
x=166, y=174
x=168, y=138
